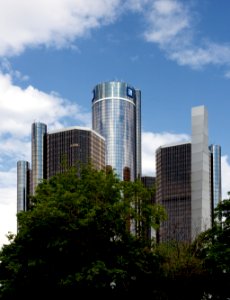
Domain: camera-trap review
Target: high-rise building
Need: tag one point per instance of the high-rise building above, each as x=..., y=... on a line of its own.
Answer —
x=200, y=180
x=173, y=190
x=183, y=176
x=216, y=186
x=116, y=115
x=23, y=185
x=38, y=154
x=69, y=146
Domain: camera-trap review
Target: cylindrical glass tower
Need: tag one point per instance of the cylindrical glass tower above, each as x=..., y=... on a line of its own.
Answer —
x=38, y=157
x=22, y=185
x=116, y=115
x=216, y=186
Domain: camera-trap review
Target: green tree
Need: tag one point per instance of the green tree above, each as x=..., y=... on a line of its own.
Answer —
x=213, y=247
x=75, y=238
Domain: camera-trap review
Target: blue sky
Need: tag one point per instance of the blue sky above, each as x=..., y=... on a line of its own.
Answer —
x=53, y=53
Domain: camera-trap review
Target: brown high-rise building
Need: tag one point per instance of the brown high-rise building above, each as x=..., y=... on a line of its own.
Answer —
x=173, y=190
x=70, y=146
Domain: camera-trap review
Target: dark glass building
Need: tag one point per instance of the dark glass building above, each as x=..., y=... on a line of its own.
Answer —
x=149, y=182
x=116, y=115
x=173, y=190
x=69, y=146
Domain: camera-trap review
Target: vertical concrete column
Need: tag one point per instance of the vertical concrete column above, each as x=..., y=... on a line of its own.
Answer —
x=200, y=181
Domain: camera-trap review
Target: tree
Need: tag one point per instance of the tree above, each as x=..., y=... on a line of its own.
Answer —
x=213, y=247
x=75, y=238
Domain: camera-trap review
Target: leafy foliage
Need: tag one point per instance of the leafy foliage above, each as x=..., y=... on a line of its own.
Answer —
x=76, y=237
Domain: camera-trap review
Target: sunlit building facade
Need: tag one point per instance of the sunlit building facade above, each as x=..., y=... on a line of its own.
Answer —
x=116, y=115
x=38, y=153
x=200, y=180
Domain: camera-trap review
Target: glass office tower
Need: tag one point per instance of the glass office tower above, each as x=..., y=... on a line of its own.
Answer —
x=173, y=191
x=22, y=185
x=38, y=153
x=116, y=115
x=69, y=146
x=216, y=188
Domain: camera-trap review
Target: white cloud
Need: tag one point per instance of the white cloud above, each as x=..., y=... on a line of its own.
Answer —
x=19, y=108
x=52, y=23
x=227, y=74
x=150, y=142
x=167, y=20
x=210, y=54
x=8, y=204
x=171, y=26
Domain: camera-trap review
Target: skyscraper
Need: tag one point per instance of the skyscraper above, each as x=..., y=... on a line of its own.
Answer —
x=201, y=195
x=69, y=146
x=38, y=155
x=22, y=185
x=183, y=176
x=173, y=190
x=116, y=115
x=216, y=187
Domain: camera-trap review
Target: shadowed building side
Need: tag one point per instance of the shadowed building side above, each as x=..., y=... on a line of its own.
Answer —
x=173, y=191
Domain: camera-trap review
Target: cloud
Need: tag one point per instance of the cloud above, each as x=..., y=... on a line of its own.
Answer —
x=168, y=20
x=210, y=54
x=55, y=23
x=227, y=74
x=8, y=204
x=150, y=142
x=171, y=25
x=19, y=108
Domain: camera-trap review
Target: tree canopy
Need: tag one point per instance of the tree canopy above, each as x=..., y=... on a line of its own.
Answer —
x=77, y=236
x=87, y=235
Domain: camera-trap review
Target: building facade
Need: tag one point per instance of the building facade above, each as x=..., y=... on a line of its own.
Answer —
x=116, y=115
x=69, y=146
x=173, y=191
x=216, y=185
x=185, y=174
x=200, y=181
x=38, y=154
x=149, y=182
x=23, y=185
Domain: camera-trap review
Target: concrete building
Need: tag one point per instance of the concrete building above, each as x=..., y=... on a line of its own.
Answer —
x=116, y=115
x=184, y=177
x=200, y=180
